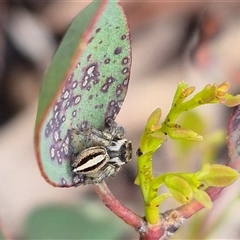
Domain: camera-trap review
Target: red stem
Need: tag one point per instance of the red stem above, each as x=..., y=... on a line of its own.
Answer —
x=146, y=231
x=153, y=232
x=194, y=206
x=119, y=209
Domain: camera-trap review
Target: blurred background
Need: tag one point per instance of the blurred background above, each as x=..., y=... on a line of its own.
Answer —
x=197, y=42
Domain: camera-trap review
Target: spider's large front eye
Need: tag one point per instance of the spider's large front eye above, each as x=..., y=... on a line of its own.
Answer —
x=90, y=160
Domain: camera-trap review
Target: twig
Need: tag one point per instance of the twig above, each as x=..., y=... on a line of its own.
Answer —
x=187, y=210
x=119, y=209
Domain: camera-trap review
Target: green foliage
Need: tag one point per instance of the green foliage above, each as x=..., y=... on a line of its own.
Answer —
x=1, y=235
x=85, y=84
x=182, y=186
x=71, y=222
x=217, y=175
x=60, y=65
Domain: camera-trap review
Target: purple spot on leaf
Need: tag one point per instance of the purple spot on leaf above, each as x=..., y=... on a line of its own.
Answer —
x=107, y=61
x=125, y=81
x=70, y=77
x=104, y=88
x=77, y=99
x=49, y=128
x=118, y=90
x=111, y=80
x=107, y=84
x=63, y=119
x=84, y=125
x=123, y=37
x=74, y=113
x=65, y=94
x=96, y=81
x=47, y=132
x=65, y=146
x=89, y=57
x=120, y=103
x=67, y=105
x=98, y=30
x=90, y=40
x=118, y=50
x=52, y=152
x=74, y=84
x=125, y=60
x=112, y=110
x=99, y=106
x=56, y=136
x=125, y=70
x=90, y=74
x=60, y=156
x=63, y=182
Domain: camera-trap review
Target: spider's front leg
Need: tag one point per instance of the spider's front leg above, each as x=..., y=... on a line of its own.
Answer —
x=115, y=130
x=97, y=137
x=102, y=138
x=109, y=170
x=111, y=133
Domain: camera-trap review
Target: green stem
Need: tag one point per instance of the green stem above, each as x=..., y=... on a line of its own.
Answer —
x=145, y=174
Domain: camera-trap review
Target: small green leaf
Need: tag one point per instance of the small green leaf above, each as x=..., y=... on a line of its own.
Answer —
x=159, y=199
x=180, y=94
x=179, y=187
x=203, y=198
x=217, y=175
x=181, y=133
x=207, y=94
x=225, y=97
x=159, y=135
x=154, y=118
x=230, y=100
x=152, y=136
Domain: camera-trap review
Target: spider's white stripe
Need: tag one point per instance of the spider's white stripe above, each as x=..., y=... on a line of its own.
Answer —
x=90, y=163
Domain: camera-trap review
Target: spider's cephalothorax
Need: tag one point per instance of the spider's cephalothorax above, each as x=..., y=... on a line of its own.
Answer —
x=104, y=159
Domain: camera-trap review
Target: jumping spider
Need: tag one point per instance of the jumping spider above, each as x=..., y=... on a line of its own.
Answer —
x=104, y=159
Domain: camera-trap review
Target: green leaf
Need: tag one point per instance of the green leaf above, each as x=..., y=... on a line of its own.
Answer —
x=203, y=198
x=217, y=175
x=86, y=84
x=69, y=222
x=62, y=61
x=179, y=187
x=159, y=199
x=230, y=100
x=154, y=119
x=207, y=94
x=181, y=133
x=181, y=93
